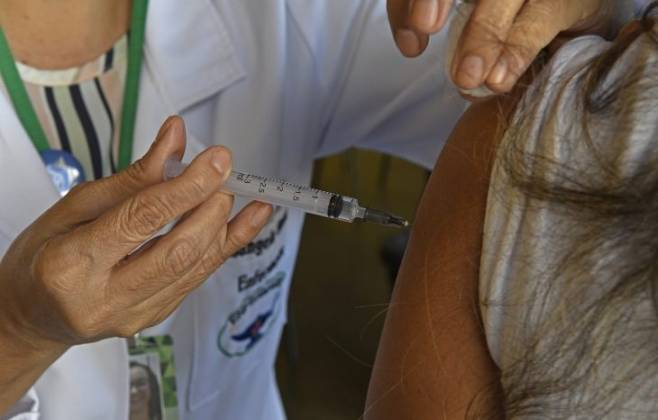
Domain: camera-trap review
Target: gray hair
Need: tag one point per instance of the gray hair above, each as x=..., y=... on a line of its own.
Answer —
x=591, y=349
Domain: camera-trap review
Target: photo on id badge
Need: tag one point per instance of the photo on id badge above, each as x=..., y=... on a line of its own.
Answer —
x=152, y=388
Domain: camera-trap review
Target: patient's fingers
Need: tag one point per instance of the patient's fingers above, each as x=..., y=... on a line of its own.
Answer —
x=538, y=23
x=410, y=42
x=481, y=42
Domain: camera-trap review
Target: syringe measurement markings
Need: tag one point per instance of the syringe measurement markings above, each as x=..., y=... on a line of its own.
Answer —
x=298, y=189
x=246, y=178
x=279, y=192
x=297, y=192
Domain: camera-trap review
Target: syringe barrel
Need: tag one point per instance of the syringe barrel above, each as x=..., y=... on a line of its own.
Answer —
x=282, y=193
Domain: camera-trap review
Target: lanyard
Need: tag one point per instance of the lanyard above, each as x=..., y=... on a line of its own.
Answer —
x=28, y=116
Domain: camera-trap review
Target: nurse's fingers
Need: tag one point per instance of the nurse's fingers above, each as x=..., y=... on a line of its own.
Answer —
x=176, y=255
x=243, y=227
x=137, y=219
x=409, y=42
x=482, y=41
x=89, y=200
x=231, y=237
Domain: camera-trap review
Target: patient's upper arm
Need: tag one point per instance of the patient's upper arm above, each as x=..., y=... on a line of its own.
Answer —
x=433, y=361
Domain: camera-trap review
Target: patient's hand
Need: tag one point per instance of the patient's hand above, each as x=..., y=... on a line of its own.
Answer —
x=502, y=37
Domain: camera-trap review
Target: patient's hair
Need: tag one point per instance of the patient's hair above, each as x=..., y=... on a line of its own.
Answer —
x=608, y=272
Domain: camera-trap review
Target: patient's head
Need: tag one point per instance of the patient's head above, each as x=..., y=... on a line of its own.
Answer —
x=595, y=127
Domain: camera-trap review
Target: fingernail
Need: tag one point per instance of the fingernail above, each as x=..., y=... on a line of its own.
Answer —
x=260, y=216
x=473, y=68
x=407, y=41
x=425, y=13
x=221, y=161
x=498, y=73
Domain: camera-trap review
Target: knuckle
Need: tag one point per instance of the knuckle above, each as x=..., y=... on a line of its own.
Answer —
x=79, y=258
x=489, y=27
x=518, y=57
x=241, y=237
x=232, y=245
x=144, y=215
x=182, y=257
x=221, y=204
x=66, y=289
x=226, y=205
x=525, y=33
x=213, y=259
x=109, y=321
x=198, y=185
x=87, y=319
x=51, y=268
x=136, y=173
x=540, y=9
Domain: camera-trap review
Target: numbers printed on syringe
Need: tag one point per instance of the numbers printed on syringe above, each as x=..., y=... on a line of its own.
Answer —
x=310, y=200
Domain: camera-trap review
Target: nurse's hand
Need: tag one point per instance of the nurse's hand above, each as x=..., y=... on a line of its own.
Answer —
x=74, y=276
x=501, y=38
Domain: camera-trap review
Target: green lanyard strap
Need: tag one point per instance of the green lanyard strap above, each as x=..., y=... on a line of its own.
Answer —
x=131, y=88
x=28, y=116
x=19, y=96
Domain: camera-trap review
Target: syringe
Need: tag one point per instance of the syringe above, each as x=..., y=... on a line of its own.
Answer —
x=310, y=200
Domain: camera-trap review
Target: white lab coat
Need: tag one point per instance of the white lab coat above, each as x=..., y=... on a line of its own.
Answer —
x=280, y=82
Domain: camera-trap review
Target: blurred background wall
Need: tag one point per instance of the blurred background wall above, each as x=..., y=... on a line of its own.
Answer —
x=341, y=288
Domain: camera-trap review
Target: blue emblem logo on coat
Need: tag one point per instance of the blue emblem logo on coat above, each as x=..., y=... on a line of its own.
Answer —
x=64, y=169
x=252, y=320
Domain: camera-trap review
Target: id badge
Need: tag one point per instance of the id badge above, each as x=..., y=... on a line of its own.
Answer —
x=152, y=378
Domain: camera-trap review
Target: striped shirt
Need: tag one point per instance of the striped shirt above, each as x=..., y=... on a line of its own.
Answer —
x=80, y=108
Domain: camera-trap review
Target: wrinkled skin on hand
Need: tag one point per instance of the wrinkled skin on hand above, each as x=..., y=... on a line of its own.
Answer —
x=73, y=276
x=502, y=37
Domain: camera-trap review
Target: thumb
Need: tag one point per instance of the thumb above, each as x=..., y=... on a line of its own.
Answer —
x=148, y=170
x=92, y=199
